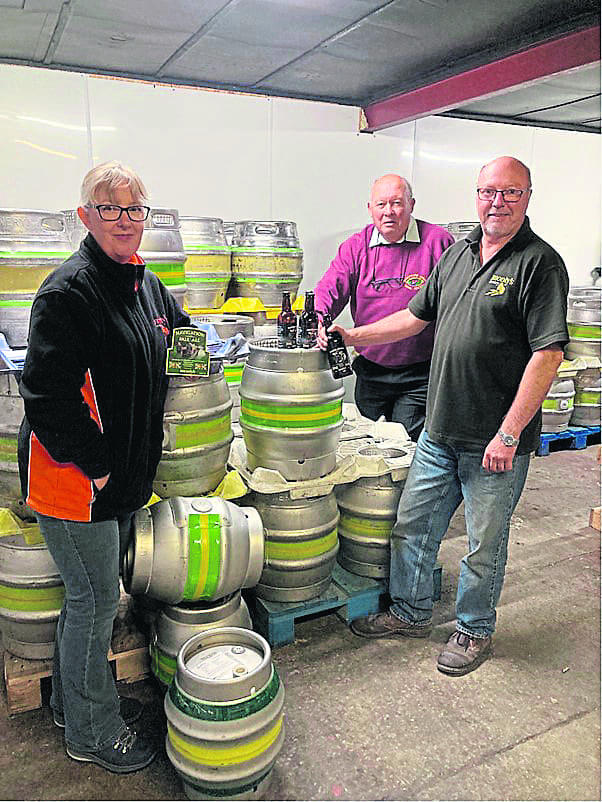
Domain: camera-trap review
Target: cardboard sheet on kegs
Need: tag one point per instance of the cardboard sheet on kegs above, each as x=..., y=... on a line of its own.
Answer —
x=366, y=448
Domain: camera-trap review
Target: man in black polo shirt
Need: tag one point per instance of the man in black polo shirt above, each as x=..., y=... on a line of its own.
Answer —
x=499, y=302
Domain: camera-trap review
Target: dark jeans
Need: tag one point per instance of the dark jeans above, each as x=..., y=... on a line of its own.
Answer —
x=83, y=689
x=397, y=393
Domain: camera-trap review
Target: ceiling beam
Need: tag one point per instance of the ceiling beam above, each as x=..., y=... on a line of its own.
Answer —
x=543, y=60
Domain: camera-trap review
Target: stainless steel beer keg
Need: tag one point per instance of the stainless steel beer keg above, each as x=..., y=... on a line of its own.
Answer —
x=207, y=262
x=584, y=322
x=32, y=244
x=31, y=595
x=193, y=549
x=11, y=415
x=224, y=713
x=301, y=545
x=557, y=406
x=368, y=508
x=175, y=624
x=291, y=410
x=267, y=260
x=162, y=249
x=197, y=433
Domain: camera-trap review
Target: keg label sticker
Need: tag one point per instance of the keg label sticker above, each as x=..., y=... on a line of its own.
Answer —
x=188, y=355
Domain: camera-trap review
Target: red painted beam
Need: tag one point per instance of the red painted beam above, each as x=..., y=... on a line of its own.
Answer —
x=541, y=61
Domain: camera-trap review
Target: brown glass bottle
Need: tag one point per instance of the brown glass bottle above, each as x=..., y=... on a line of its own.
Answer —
x=336, y=352
x=287, y=324
x=308, y=323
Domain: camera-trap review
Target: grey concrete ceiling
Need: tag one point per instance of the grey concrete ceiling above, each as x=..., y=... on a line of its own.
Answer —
x=355, y=52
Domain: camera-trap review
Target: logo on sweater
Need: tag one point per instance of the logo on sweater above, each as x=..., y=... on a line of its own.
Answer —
x=499, y=285
x=161, y=322
x=414, y=281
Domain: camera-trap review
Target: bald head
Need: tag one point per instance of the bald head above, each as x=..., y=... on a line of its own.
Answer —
x=511, y=165
x=391, y=205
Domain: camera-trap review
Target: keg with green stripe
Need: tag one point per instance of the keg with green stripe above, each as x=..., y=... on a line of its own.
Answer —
x=368, y=508
x=193, y=549
x=583, y=317
x=267, y=260
x=557, y=406
x=163, y=252
x=588, y=387
x=228, y=326
x=175, y=624
x=11, y=415
x=197, y=433
x=31, y=595
x=32, y=244
x=301, y=545
x=208, y=270
x=290, y=410
x=225, y=715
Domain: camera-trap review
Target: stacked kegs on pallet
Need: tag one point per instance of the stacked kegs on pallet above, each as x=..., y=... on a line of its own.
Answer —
x=207, y=262
x=32, y=244
x=267, y=260
x=583, y=318
x=291, y=410
x=197, y=433
x=224, y=713
x=162, y=249
x=31, y=595
x=368, y=509
x=588, y=387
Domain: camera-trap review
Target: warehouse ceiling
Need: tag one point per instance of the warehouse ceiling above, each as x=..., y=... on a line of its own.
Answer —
x=530, y=62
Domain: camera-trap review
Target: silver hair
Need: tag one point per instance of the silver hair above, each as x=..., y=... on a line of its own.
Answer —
x=108, y=177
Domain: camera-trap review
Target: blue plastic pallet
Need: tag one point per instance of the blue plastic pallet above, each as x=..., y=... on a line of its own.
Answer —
x=576, y=437
x=348, y=595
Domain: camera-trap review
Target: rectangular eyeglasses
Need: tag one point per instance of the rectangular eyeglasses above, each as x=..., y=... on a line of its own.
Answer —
x=111, y=212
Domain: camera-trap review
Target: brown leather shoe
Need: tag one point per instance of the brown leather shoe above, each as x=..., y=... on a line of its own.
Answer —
x=383, y=625
x=463, y=654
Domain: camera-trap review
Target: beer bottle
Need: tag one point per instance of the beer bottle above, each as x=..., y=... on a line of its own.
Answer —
x=336, y=352
x=287, y=324
x=308, y=323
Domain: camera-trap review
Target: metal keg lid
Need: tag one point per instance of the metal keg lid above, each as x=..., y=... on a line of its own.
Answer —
x=224, y=664
x=265, y=234
x=202, y=231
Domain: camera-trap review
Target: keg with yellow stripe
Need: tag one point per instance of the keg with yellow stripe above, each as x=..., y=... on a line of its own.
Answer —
x=197, y=433
x=208, y=270
x=301, y=545
x=583, y=318
x=175, y=624
x=368, y=509
x=225, y=715
x=290, y=410
x=193, y=549
x=267, y=260
x=163, y=252
x=31, y=595
x=32, y=244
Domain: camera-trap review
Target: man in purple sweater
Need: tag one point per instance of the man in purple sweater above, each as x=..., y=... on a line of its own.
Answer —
x=378, y=271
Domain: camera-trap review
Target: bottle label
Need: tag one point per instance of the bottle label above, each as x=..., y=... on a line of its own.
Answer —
x=287, y=335
x=339, y=361
x=308, y=337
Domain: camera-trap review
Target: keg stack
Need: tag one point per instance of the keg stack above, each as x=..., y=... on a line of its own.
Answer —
x=207, y=268
x=583, y=316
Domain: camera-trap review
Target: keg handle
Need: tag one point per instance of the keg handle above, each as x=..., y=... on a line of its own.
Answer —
x=265, y=229
x=174, y=416
x=53, y=223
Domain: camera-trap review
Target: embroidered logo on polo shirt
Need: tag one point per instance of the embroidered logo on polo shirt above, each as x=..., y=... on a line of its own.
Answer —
x=414, y=281
x=500, y=283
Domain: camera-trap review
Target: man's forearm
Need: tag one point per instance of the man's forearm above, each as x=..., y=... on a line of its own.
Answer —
x=537, y=378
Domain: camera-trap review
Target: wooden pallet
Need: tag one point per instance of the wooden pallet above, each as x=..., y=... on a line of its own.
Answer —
x=576, y=437
x=128, y=656
x=348, y=595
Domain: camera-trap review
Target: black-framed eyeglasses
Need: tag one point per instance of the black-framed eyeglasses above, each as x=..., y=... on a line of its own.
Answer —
x=110, y=212
x=509, y=195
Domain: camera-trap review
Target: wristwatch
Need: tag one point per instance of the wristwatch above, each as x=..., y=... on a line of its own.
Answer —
x=508, y=439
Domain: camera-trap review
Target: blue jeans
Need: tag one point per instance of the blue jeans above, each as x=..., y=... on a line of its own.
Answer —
x=83, y=689
x=439, y=478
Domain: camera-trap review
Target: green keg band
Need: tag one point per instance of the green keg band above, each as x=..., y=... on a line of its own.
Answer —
x=260, y=279
x=233, y=373
x=582, y=331
x=588, y=397
x=32, y=599
x=33, y=255
x=553, y=403
x=227, y=711
x=171, y=274
x=8, y=304
x=162, y=665
x=275, y=416
x=267, y=251
x=300, y=549
x=231, y=791
x=204, y=556
x=8, y=449
x=202, y=434
x=366, y=527
x=190, y=279
x=219, y=248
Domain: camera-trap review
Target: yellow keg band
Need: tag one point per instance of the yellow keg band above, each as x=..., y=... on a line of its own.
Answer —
x=224, y=756
x=365, y=526
x=300, y=550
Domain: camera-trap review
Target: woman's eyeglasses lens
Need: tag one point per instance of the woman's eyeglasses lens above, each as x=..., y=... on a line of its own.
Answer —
x=111, y=214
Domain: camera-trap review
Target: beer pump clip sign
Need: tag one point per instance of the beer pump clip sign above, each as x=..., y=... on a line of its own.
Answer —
x=188, y=355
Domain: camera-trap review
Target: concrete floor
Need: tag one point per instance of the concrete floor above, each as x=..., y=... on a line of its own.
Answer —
x=375, y=720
